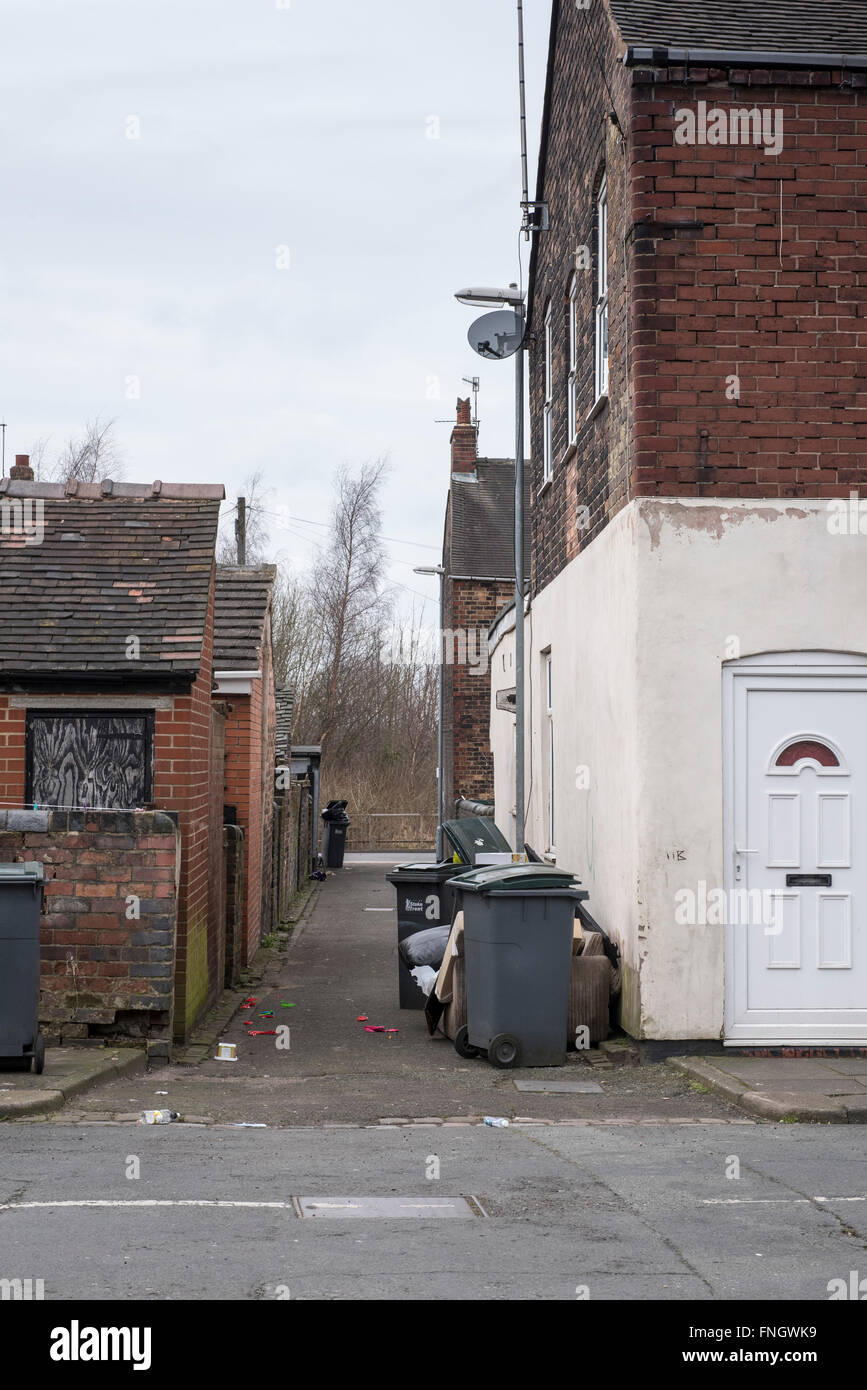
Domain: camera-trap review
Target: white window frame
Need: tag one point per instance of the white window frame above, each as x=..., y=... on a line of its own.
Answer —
x=549, y=712
x=548, y=410
x=601, y=371
x=572, y=387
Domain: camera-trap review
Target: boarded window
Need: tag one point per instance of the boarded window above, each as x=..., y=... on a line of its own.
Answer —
x=97, y=760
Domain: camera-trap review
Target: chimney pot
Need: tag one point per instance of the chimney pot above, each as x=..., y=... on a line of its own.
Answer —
x=21, y=470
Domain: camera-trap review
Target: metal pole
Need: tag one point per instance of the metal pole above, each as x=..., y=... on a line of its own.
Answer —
x=441, y=734
x=519, y=590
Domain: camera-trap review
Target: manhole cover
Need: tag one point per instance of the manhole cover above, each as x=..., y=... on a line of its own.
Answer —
x=561, y=1088
x=386, y=1208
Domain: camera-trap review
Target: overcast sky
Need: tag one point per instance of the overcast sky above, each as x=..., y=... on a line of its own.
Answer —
x=163, y=160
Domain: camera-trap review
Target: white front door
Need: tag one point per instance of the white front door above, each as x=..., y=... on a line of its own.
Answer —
x=796, y=851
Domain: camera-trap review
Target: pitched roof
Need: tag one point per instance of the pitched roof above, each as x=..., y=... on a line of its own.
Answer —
x=241, y=603
x=781, y=26
x=115, y=561
x=482, y=512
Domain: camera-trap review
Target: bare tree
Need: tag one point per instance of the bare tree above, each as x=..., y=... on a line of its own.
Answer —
x=348, y=592
x=90, y=458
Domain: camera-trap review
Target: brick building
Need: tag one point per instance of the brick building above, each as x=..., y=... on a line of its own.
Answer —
x=479, y=565
x=697, y=639
x=244, y=677
x=106, y=670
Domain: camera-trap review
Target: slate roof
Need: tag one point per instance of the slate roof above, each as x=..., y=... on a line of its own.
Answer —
x=116, y=561
x=241, y=604
x=785, y=26
x=482, y=516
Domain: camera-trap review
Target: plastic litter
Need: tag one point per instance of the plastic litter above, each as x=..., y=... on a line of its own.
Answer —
x=362, y=1018
x=375, y=1028
x=160, y=1093
x=158, y=1117
x=284, y=1005
x=269, y=1013
x=496, y=1121
x=245, y=1124
x=262, y=1033
x=249, y=1003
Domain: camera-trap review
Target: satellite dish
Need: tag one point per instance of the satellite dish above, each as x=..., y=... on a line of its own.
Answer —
x=498, y=335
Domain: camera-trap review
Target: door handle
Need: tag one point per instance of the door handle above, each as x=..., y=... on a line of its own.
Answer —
x=739, y=850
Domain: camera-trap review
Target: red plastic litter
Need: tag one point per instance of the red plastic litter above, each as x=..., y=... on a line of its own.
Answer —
x=392, y=1030
x=374, y=1028
x=262, y=1033
x=249, y=1003
x=362, y=1018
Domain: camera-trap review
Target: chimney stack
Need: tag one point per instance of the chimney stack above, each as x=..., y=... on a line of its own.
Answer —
x=21, y=471
x=464, y=441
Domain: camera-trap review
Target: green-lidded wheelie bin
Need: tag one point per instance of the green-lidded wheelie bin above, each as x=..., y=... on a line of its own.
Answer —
x=472, y=835
x=519, y=923
x=424, y=899
x=21, y=890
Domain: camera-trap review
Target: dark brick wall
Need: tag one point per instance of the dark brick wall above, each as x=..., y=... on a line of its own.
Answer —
x=103, y=973
x=706, y=282
x=583, y=144
x=470, y=606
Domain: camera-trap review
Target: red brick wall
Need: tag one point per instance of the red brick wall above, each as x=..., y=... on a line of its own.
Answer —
x=698, y=291
x=470, y=607
x=182, y=738
x=249, y=786
x=103, y=973
x=779, y=303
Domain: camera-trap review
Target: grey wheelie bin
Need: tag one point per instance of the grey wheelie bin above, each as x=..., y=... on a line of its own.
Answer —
x=21, y=889
x=424, y=899
x=519, y=923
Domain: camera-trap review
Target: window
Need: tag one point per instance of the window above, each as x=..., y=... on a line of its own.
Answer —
x=549, y=719
x=602, y=291
x=549, y=397
x=572, y=387
x=102, y=760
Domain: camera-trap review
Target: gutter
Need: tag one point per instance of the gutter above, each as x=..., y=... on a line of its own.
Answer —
x=741, y=58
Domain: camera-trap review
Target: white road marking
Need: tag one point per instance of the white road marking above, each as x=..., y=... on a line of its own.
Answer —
x=379, y=909
x=146, y=1202
x=771, y=1201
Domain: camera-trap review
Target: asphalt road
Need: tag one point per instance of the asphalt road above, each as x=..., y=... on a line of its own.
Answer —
x=629, y=1212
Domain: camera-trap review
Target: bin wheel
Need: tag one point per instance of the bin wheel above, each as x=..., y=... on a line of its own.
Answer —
x=39, y=1055
x=504, y=1051
x=463, y=1046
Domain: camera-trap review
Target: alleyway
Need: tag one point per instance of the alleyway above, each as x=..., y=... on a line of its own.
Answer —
x=342, y=962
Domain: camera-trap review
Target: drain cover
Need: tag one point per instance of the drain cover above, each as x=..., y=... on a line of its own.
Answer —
x=387, y=1208
x=561, y=1088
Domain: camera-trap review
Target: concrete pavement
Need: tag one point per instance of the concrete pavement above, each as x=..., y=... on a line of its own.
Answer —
x=818, y=1090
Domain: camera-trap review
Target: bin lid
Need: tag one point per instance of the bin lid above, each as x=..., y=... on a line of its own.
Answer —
x=29, y=872
x=416, y=873
x=516, y=878
x=472, y=834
